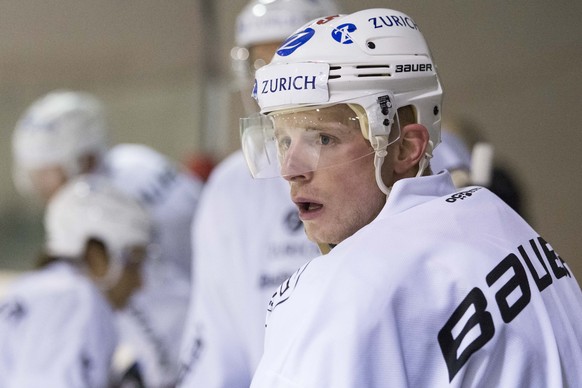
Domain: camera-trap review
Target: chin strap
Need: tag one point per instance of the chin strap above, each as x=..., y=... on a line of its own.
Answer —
x=380, y=144
x=426, y=159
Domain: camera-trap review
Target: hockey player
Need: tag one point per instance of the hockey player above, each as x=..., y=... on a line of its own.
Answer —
x=56, y=324
x=425, y=286
x=153, y=322
x=64, y=134
x=247, y=234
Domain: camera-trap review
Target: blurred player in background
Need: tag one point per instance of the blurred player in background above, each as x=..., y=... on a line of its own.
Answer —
x=64, y=134
x=57, y=325
x=247, y=235
x=160, y=308
x=61, y=135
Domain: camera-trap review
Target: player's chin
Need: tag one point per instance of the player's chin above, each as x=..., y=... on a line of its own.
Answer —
x=321, y=234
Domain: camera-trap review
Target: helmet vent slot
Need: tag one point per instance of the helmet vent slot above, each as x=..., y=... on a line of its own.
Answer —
x=336, y=69
x=360, y=71
x=373, y=67
x=373, y=71
x=375, y=75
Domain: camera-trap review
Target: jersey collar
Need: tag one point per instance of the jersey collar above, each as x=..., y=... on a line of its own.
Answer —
x=411, y=192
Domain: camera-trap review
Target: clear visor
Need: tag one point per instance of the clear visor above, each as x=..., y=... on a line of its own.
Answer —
x=302, y=141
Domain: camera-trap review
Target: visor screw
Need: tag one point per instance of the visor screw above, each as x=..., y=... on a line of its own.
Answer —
x=371, y=45
x=435, y=110
x=385, y=111
x=386, y=122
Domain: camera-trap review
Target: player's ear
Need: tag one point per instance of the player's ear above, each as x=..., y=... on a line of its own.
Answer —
x=411, y=149
x=96, y=258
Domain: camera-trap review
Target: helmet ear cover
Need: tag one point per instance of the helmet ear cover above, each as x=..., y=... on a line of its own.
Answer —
x=376, y=114
x=378, y=119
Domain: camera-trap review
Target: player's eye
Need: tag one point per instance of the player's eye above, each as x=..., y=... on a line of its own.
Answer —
x=325, y=140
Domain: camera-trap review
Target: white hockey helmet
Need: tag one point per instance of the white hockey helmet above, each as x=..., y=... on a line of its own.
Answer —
x=263, y=22
x=375, y=60
x=266, y=21
x=55, y=131
x=169, y=194
x=89, y=206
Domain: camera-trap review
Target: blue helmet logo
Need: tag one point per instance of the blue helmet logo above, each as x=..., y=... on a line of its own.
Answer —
x=295, y=41
x=254, y=92
x=341, y=33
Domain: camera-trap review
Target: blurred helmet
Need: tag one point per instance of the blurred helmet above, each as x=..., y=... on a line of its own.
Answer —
x=375, y=60
x=87, y=207
x=169, y=194
x=266, y=21
x=55, y=131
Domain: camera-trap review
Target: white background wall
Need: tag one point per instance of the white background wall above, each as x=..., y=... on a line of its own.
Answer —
x=510, y=66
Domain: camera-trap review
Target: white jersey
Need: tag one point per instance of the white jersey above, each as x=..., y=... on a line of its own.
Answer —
x=56, y=330
x=442, y=289
x=248, y=238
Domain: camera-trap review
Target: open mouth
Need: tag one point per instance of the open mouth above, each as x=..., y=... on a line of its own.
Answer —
x=308, y=207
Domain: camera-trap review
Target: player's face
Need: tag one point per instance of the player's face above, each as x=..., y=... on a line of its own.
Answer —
x=336, y=201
